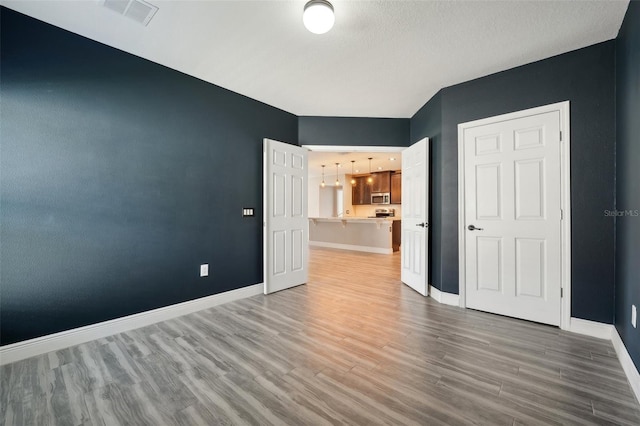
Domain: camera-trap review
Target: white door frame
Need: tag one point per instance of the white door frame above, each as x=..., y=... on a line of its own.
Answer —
x=565, y=201
x=353, y=148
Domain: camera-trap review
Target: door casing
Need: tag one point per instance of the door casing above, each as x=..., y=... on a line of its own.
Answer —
x=565, y=201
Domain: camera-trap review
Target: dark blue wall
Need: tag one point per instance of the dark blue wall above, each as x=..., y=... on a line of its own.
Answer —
x=119, y=177
x=628, y=178
x=586, y=77
x=352, y=131
x=427, y=122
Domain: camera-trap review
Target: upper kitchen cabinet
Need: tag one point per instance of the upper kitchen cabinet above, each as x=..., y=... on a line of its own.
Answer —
x=361, y=191
x=381, y=182
x=396, y=188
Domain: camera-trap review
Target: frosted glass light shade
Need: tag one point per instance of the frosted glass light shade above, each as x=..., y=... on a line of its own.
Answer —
x=318, y=16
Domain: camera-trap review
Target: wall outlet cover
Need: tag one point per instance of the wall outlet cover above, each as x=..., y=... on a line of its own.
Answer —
x=204, y=270
x=634, y=316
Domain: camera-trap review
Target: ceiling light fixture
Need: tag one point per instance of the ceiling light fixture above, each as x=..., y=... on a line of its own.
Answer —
x=318, y=16
x=370, y=179
x=353, y=180
x=322, y=183
x=337, y=180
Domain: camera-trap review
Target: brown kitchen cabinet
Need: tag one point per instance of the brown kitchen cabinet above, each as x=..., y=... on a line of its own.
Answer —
x=361, y=191
x=381, y=182
x=396, y=188
x=396, y=235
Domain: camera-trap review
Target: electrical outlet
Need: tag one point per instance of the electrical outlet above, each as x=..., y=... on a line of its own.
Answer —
x=204, y=270
x=634, y=315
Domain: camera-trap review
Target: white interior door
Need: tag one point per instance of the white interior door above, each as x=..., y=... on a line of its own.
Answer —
x=415, y=209
x=512, y=202
x=286, y=227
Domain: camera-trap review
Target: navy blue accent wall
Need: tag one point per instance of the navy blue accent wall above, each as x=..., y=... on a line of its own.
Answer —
x=119, y=177
x=586, y=78
x=353, y=131
x=628, y=178
x=427, y=122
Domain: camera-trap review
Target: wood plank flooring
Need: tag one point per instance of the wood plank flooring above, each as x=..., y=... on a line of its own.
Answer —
x=354, y=346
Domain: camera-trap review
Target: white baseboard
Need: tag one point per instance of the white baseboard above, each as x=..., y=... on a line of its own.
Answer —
x=378, y=250
x=444, y=298
x=628, y=366
x=590, y=328
x=609, y=332
x=64, y=339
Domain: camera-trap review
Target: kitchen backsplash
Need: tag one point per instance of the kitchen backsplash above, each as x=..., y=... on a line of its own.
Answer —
x=370, y=210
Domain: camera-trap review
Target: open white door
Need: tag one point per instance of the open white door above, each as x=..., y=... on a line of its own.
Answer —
x=286, y=227
x=415, y=210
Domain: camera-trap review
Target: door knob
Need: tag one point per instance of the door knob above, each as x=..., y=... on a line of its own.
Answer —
x=423, y=225
x=473, y=228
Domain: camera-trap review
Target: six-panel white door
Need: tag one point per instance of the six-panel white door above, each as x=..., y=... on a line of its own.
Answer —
x=512, y=199
x=415, y=208
x=286, y=225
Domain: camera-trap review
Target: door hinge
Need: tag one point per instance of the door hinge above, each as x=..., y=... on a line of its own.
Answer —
x=561, y=293
x=560, y=136
x=561, y=214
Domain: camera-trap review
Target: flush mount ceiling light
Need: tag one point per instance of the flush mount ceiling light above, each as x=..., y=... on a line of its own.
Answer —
x=318, y=16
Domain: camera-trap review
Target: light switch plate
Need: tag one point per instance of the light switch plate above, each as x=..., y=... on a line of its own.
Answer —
x=204, y=270
x=247, y=212
x=634, y=316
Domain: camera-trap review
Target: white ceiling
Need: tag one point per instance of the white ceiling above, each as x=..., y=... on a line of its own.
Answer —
x=381, y=59
x=380, y=161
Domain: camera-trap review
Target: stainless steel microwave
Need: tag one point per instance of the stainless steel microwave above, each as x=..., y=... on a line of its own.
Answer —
x=380, y=198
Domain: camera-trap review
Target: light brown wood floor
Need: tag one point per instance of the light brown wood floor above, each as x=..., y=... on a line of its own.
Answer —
x=354, y=346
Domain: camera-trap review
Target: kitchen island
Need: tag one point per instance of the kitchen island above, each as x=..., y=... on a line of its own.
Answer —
x=373, y=235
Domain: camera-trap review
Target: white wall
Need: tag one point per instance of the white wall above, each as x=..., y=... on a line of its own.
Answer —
x=348, y=207
x=314, y=196
x=327, y=201
x=322, y=202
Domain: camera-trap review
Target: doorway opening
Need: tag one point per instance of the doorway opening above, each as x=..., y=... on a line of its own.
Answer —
x=355, y=206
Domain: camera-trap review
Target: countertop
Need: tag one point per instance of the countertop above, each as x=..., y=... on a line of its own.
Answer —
x=355, y=219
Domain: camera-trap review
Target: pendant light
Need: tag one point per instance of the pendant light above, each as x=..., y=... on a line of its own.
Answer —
x=318, y=16
x=370, y=179
x=337, y=180
x=322, y=184
x=353, y=180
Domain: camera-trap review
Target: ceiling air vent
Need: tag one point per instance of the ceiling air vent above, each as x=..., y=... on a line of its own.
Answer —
x=138, y=10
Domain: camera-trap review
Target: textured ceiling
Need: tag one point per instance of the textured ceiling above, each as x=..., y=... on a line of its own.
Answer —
x=381, y=59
